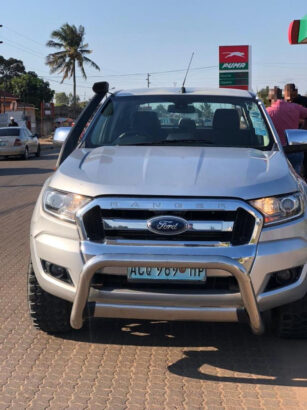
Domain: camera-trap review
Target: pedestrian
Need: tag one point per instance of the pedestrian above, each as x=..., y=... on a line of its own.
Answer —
x=291, y=94
x=286, y=116
x=12, y=122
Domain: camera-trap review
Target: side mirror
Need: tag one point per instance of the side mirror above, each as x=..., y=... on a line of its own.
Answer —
x=35, y=136
x=297, y=140
x=60, y=135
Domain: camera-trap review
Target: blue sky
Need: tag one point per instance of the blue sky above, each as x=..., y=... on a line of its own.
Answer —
x=140, y=36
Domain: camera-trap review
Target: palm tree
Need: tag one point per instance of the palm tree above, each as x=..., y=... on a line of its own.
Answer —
x=70, y=41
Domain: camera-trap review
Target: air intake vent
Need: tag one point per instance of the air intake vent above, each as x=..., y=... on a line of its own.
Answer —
x=92, y=224
x=243, y=227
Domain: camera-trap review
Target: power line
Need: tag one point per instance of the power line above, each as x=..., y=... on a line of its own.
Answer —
x=59, y=82
x=159, y=72
x=29, y=50
x=23, y=36
x=23, y=47
x=146, y=73
x=35, y=53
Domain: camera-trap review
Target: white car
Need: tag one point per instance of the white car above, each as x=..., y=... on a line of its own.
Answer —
x=18, y=141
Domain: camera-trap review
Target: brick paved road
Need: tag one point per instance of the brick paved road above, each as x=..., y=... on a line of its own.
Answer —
x=126, y=364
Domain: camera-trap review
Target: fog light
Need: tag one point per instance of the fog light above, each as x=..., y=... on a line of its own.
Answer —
x=57, y=271
x=283, y=277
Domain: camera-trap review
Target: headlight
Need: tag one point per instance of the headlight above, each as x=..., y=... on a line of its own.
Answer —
x=64, y=205
x=279, y=209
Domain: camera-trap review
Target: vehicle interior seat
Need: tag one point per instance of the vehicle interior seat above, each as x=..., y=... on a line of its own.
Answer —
x=146, y=123
x=226, y=127
x=186, y=130
x=227, y=132
x=186, y=125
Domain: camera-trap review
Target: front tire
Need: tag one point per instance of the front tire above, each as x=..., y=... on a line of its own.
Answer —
x=26, y=154
x=49, y=313
x=290, y=321
x=38, y=152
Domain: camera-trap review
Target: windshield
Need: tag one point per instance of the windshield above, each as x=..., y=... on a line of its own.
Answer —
x=183, y=120
x=9, y=132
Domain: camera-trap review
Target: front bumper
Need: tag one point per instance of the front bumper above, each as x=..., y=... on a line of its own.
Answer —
x=10, y=151
x=280, y=247
x=223, y=263
x=271, y=256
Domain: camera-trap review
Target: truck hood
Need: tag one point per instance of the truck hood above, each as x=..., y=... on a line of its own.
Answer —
x=175, y=171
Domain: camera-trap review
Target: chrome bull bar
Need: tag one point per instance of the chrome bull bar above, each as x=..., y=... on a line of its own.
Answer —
x=128, y=260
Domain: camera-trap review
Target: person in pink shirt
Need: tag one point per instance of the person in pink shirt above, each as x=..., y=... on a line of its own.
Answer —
x=286, y=116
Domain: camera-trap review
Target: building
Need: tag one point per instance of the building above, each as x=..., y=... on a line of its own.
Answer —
x=10, y=106
x=8, y=102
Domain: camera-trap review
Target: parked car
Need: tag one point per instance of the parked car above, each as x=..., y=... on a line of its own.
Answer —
x=18, y=141
x=144, y=220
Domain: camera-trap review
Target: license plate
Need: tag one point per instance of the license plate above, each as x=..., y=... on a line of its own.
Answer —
x=163, y=274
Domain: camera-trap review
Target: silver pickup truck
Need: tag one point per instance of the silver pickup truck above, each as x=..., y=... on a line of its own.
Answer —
x=174, y=204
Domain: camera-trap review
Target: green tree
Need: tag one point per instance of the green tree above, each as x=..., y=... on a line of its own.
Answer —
x=83, y=104
x=69, y=40
x=61, y=99
x=264, y=94
x=161, y=110
x=73, y=100
x=30, y=88
x=206, y=110
x=10, y=68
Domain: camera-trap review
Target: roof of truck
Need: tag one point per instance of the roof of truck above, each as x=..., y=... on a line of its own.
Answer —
x=223, y=92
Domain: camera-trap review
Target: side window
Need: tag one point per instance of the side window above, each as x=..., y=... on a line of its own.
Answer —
x=97, y=136
x=23, y=133
x=258, y=123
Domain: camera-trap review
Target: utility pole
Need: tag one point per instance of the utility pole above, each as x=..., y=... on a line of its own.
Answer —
x=1, y=26
x=147, y=79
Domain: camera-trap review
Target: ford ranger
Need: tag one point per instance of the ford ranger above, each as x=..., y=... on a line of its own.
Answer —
x=173, y=204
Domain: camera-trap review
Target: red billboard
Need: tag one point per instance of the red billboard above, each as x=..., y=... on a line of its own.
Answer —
x=234, y=54
x=234, y=65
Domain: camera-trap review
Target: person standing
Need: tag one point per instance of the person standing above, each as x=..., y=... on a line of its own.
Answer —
x=291, y=94
x=286, y=116
x=12, y=122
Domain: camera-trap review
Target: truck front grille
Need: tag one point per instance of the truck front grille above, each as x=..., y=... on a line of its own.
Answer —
x=221, y=222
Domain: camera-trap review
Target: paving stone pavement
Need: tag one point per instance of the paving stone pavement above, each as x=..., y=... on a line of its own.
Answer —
x=127, y=364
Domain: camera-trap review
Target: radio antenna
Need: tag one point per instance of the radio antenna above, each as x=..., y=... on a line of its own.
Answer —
x=182, y=87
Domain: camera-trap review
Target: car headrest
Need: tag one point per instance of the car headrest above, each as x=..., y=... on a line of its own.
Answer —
x=186, y=124
x=146, y=121
x=226, y=119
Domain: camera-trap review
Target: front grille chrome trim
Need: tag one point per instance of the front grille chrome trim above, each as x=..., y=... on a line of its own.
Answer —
x=139, y=225
x=165, y=242
x=172, y=204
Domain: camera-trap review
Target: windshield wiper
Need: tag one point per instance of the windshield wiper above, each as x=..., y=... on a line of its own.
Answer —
x=137, y=143
x=167, y=142
x=184, y=140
